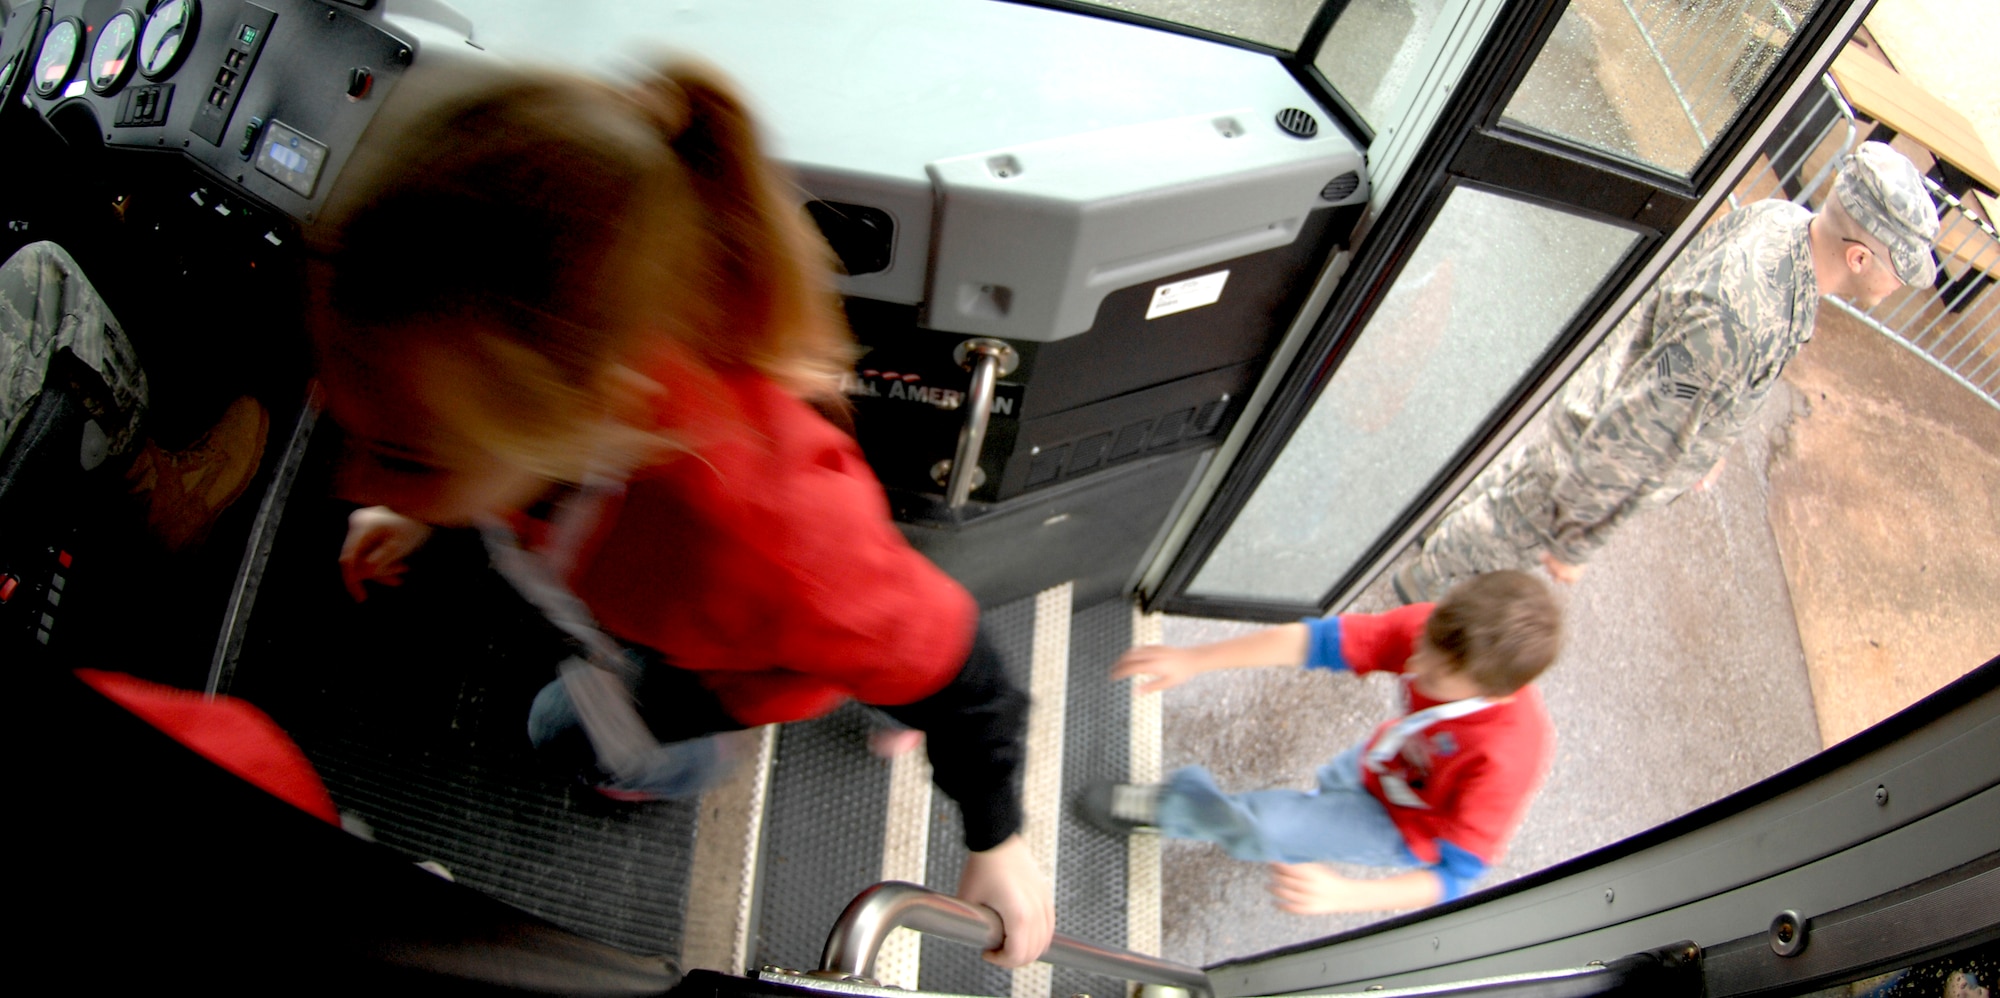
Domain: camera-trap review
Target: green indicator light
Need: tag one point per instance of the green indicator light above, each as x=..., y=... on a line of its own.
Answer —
x=248, y=36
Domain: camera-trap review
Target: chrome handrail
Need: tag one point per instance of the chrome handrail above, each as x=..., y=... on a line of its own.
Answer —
x=989, y=360
x=892, y=904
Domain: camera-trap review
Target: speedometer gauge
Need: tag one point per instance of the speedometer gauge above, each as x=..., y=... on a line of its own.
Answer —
x=58, y=58
x=168, y=35
x=111, y=57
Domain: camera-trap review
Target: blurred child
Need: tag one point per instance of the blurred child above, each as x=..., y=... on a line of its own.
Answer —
x=590, y=320
x=1441, y=788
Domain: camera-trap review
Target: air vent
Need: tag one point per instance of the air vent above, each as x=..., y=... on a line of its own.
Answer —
x=1169, y=429
x=862, y=237
x=1210, y=415
x=1340, y=187
x=1047, y=465
x=1130, y=440
x=1090, y=453
x=1297, y=123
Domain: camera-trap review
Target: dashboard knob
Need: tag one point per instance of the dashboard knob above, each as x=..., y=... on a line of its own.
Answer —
x=359, y=80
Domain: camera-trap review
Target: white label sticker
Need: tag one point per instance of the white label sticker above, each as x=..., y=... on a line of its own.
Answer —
x=75, y=89
x=1183, y=295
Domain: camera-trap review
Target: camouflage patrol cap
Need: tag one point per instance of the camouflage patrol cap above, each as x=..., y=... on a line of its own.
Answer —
x=1883, y=193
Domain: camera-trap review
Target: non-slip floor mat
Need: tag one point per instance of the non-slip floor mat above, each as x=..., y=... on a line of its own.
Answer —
x=413, y=707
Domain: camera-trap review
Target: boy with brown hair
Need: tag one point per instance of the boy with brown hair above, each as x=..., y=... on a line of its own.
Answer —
x=1440, y=789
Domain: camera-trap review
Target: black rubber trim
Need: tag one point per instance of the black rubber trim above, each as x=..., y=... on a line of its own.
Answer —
x=1668, y=972
x=1952, y=910
x=1321, y=26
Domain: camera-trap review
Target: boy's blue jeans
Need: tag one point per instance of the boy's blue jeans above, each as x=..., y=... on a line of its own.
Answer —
x=1338, y=822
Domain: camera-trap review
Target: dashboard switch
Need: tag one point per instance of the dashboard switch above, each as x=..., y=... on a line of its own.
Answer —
x=145, y=105
x=359, y=81
x=250, y=132
x=232, y=77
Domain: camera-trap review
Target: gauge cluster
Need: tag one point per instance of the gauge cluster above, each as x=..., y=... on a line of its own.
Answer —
x=111, y=55
x=268, y=96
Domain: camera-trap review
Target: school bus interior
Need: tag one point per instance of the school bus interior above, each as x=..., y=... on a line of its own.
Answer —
x=1076, y=244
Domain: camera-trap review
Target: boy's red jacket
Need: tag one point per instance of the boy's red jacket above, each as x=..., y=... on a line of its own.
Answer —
x=762, y=557
x=1474, y=775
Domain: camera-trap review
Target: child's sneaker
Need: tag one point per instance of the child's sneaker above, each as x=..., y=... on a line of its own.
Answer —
x=1120, y=808
x=436, y=869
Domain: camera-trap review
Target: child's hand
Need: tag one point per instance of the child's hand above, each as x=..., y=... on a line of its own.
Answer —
x=1311, y=889
x=1314, y=889
x=378, y=539
x=1166, y=667
x=1007, y=879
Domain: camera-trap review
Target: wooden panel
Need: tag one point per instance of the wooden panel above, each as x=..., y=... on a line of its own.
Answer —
x=1878, y=91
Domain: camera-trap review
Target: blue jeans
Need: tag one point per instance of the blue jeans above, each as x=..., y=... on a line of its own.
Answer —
x=1338, y=822
x=674, y=770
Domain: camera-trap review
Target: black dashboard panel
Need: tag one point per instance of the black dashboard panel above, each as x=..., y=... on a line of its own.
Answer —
x=268, y=96
x=174, y=149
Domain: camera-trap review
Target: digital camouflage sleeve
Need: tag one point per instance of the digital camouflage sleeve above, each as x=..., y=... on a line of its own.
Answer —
x=1689, y=369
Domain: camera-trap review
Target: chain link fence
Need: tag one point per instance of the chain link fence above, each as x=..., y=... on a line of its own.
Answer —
x=1716, y=53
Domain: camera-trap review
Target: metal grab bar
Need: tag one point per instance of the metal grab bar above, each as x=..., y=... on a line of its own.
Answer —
x=875, y=912
x=989, y=360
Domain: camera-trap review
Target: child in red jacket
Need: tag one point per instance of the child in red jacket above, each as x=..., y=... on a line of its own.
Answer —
x=1441, y=788
x=591, y=321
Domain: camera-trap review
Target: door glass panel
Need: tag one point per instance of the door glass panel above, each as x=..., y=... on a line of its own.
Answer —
x=1373, y=51
x=1654, y=81
x=1277, y=23
x=1494, y=282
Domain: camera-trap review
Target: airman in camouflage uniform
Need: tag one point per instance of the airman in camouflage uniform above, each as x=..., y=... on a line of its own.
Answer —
x=48, y=306
x=1660, y=401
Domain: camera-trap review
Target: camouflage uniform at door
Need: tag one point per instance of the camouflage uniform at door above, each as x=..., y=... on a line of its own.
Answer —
x=1657, y=405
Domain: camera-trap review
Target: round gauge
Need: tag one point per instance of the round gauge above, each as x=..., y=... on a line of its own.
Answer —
x=167, y=37
x=111, y=57
x=58, y=58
